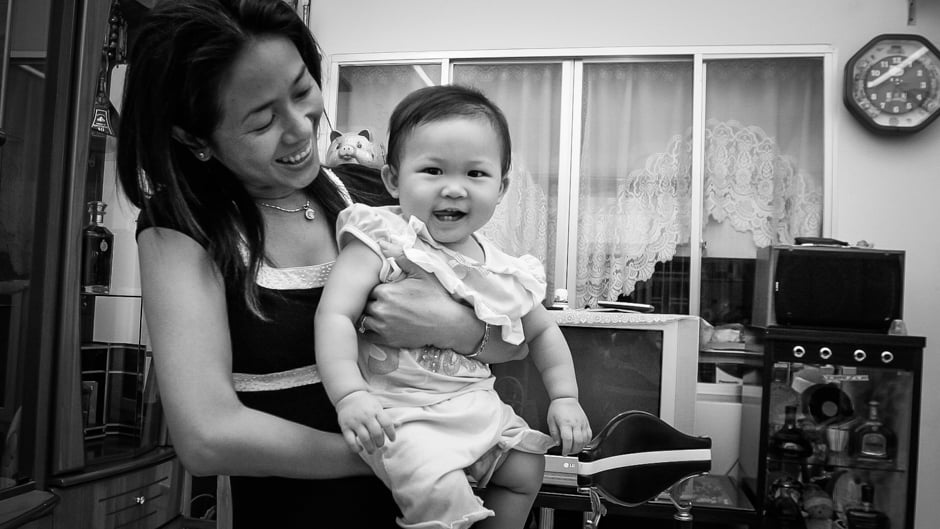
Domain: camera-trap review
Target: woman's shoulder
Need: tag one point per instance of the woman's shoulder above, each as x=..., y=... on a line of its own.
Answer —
x=156, y=216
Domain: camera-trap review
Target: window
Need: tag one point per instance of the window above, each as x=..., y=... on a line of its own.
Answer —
x=650, y=177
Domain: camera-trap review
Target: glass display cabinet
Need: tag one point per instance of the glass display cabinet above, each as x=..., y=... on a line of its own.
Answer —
x=836, y=419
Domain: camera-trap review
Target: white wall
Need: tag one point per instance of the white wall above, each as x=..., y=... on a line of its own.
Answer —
x=887, y=190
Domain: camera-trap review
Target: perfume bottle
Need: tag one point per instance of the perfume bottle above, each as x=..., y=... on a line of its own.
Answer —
x=872, y=439
x=790, y=442
x=866, y=516
x=97, y=242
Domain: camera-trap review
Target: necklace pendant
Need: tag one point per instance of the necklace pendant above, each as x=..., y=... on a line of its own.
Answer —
x=309, y=213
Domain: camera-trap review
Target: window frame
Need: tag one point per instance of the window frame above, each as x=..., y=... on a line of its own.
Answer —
x=572, y=61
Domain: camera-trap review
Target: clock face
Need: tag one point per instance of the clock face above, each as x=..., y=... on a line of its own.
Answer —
x=893, y=83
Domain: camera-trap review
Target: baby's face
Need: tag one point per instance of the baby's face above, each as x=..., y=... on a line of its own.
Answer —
x=450, y=177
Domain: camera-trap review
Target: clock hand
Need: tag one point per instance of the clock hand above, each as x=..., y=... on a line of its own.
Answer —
x=897, y=69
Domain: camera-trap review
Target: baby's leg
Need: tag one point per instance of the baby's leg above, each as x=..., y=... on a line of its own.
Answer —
x=512, y=490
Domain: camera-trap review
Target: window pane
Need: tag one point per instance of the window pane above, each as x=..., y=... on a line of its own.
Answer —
x=763, y=171
x=634, y=192
x=367, y=94
x=19, y=165
x=529, y=94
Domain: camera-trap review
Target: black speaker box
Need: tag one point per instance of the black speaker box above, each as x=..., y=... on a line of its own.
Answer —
x=828, y=287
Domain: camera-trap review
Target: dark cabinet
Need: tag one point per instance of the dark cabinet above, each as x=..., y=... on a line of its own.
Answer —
x=836, y=424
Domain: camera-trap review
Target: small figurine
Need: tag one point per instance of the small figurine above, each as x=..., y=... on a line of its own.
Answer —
x=354, y=148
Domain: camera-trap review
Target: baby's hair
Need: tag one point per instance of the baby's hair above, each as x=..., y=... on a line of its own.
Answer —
x=434, y=103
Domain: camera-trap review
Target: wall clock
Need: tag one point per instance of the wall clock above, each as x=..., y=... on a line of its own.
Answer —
x=892, y=84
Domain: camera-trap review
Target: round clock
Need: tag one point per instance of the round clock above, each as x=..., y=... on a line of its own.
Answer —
x=892, y=85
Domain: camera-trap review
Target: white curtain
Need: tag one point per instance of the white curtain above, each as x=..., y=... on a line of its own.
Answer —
x=763, y=165
x=635, y=174
x=529, y=94
x=368, y=94
x=763, y=157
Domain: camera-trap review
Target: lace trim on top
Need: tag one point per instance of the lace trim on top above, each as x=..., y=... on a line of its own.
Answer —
x=294, y=278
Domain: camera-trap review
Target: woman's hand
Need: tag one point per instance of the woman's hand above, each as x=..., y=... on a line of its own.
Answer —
x=416, y=311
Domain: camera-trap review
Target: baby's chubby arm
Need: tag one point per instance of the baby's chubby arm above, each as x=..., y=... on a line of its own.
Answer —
x=567, y=422
x=363, y=421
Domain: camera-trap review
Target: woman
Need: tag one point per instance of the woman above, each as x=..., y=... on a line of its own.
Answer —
x=217, y=146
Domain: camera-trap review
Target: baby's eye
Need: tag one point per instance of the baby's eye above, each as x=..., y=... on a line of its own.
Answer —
x=432, y=171
x=478, y=174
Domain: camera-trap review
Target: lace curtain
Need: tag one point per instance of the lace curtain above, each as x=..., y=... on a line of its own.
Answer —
x=767, y=184
x=763, y=157
x=634, y=191
x=529, y=94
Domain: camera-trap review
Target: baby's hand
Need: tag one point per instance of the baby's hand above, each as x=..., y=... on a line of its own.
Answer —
x=364, y=422
x=568, y=425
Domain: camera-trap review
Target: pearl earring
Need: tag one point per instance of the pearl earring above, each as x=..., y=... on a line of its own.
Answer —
x=202, y=155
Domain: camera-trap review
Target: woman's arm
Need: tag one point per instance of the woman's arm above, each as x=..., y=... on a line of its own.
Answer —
x=213, y=433
x=417, y=311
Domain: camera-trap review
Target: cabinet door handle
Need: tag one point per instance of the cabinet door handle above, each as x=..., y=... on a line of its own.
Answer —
x=860, y=355
x=825, y=353
x=887, y=357
x=799, y=351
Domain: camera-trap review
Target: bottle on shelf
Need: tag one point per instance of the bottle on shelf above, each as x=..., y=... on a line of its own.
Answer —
x=783, y=511
x=790, y=442
x=97, y=243
x=873, y=439
x=866, y=516
x=782, y=393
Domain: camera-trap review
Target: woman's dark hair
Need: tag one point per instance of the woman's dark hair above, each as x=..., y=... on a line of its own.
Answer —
x=435, y=103
x=178, y=60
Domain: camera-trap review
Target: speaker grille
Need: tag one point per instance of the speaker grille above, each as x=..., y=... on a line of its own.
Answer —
x=840, y=289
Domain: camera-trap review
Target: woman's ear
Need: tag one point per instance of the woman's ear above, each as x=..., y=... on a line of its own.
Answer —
x=198, y=147
x=390, y=179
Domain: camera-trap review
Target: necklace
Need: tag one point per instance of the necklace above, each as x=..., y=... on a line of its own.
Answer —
x=309, y=212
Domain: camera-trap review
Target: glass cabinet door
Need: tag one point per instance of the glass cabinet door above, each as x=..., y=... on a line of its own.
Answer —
x=840, y=431
x=24, y=27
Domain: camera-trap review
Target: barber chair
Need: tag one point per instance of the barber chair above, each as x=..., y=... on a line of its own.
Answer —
x=636, y=458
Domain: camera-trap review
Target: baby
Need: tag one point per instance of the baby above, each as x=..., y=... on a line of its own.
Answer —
x=448, y=165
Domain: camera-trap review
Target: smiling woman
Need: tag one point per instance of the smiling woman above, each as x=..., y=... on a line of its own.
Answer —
x=217, y=147
x=271, y=107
